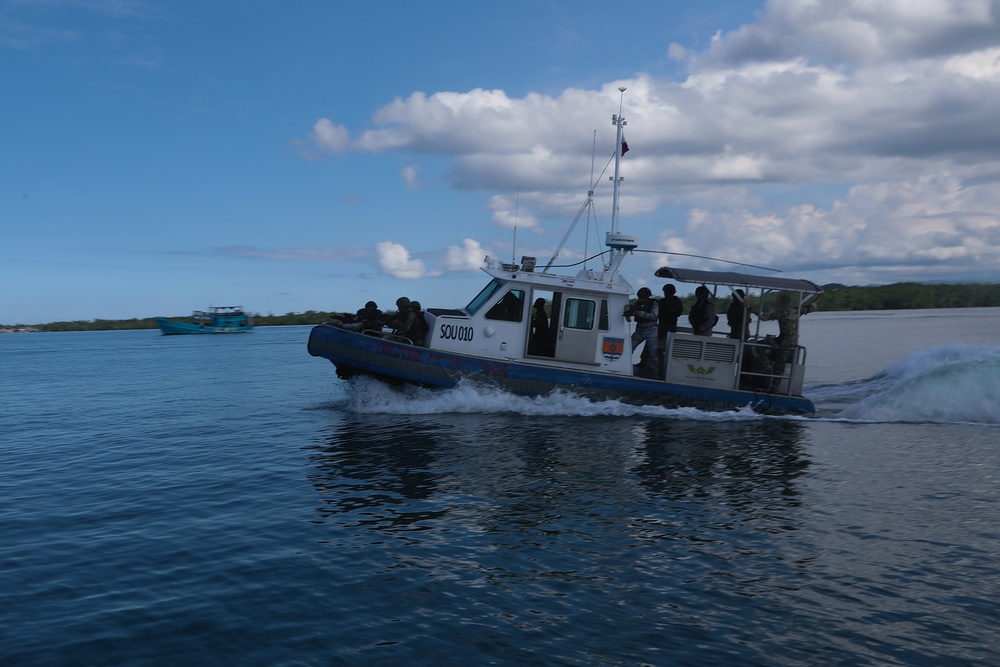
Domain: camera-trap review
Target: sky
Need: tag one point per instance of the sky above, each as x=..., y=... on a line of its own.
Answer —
x=159, y=157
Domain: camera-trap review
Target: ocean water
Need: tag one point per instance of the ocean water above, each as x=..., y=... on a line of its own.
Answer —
x=226, y=500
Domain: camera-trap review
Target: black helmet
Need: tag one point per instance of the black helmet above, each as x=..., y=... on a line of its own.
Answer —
x=644, y=293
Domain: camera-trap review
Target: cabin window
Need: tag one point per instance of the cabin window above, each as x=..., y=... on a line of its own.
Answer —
x=605, y=325
x=483, y=296
x=510, y=308
x=579, y=314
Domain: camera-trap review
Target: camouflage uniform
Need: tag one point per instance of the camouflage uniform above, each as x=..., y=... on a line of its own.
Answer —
x=788, y=322
x=403, y=326
x=646, y=317
x=418, y=328
x=405, y=318
x=788, y=334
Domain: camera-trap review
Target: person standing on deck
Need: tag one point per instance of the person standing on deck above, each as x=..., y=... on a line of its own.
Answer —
x=702, y=316
x=737, y=317
x=787, y=317
x=671, y=308
x=646, y=313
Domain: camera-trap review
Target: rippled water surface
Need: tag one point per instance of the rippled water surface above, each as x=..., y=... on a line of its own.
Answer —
x=227, y=500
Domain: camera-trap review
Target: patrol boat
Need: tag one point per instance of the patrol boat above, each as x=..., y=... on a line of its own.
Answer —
x=582, y=344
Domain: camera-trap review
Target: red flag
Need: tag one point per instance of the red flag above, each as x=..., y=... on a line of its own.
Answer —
x=624, y=147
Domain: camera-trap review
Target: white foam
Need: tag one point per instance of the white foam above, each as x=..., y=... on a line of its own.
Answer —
x=372, y=397
x=949, y=384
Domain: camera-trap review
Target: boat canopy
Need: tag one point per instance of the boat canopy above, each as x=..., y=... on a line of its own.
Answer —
x=738, y=278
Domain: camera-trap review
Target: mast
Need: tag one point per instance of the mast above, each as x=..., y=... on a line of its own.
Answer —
x=619, y=122
x=619, y=243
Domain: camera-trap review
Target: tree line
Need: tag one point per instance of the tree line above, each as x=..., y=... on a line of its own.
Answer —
x=897, y=296
x=908, y=296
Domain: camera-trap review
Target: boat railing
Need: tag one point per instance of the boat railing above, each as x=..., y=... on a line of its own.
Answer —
x=397, y=338
x=762, y=368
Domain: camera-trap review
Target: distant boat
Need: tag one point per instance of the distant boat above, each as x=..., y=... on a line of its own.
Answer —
x=216, y=320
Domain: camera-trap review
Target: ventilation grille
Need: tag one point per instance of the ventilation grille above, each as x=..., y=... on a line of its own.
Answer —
x=717, y=352
x=686, y=349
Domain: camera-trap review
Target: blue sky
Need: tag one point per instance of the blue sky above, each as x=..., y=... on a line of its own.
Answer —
x=160, y=157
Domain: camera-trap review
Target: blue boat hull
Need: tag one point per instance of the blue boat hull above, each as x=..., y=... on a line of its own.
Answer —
x=170, y=328
x=359, y=354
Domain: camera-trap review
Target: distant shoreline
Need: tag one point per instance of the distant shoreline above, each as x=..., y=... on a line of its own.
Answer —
x=897, y=296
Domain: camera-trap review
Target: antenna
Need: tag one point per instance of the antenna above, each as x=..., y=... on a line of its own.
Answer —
x=590, y=201
x=513, y=249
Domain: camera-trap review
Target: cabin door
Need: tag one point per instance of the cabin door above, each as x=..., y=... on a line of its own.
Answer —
x=575, y=322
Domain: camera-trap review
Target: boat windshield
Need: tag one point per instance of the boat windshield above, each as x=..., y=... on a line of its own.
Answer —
x=483, y=296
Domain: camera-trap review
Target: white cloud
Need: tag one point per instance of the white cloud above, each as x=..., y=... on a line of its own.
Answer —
x=468, y=257
x=859, y=133
x=409, y=175
x=508, y=213
x=676, y=51
x=859, y=32
x=981, y=65
x=931, y=221
x=395, y=260
x=330, y=136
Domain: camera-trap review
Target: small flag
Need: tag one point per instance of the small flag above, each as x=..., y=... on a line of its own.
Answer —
x=624, y=147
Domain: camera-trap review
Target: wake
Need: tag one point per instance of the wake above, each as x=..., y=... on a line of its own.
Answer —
x=955, y=384
x=369, y=396
x=949, y=384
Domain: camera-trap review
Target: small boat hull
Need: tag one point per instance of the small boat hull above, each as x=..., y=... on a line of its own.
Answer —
x=170, y=328
x=361, y=354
